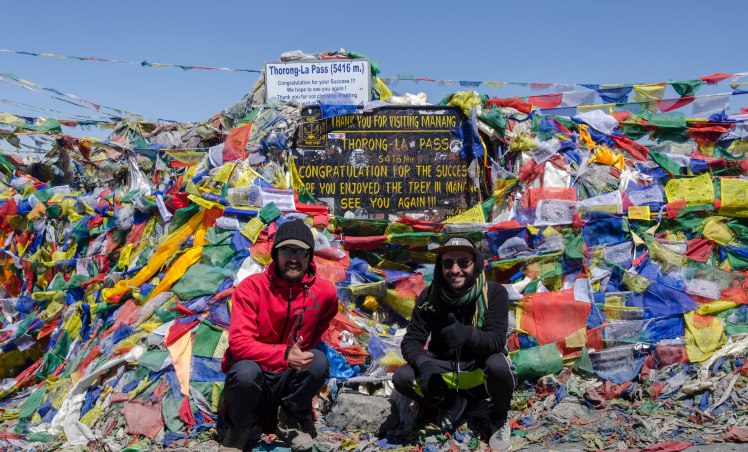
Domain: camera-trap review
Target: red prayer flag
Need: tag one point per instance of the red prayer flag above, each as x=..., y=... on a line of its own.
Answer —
x=546, y=100
x=517, y=104
x=553, y=316
x=715, y=78
x=637, y=150
x=666, y=105
x=235, y=147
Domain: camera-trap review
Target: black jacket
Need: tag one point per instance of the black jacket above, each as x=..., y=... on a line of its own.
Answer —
x=486, y=341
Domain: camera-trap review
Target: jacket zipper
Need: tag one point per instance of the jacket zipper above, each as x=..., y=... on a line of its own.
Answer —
x=288, y=315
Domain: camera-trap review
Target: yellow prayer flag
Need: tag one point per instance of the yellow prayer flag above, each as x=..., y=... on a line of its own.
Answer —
x=37, y=212
x=191, y=188
x=608, y=109
x=648, y=95
x=296, y=181
x=252, y=229
x=124, y=256
x=165, y=251
x=223, y=174
x=704, y=335
x=738, y=147
x=606, y=156
x=204, y=202
x=247, y=177
x=190, y=173
x=7, y=118
x=717, y=232
x=734, y=197
x=472, y=215
x=716, y=306
x=639, y=213
x=384, y=92
x=177, y=270
x=577, y=339
x=694, y=190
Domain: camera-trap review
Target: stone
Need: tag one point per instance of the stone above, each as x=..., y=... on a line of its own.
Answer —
x=354, y=411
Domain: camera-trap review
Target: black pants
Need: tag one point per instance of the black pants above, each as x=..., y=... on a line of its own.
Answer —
x=253, y=394
x=499, y=386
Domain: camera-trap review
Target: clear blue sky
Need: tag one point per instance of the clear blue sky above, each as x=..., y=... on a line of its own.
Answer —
x=525, y=41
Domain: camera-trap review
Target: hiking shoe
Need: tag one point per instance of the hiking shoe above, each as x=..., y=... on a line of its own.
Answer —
x=294, y=432
x=450, y=416
x=238, y=439
x=501, y=439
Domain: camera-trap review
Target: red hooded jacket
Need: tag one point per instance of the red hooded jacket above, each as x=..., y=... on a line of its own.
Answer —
x=268, y=314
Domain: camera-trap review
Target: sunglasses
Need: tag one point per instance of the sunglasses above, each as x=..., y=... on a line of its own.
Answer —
x=462, y=263
x=297, y=253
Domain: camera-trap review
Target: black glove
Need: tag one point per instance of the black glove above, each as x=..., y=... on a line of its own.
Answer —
x=430, y=380
x=456, y=334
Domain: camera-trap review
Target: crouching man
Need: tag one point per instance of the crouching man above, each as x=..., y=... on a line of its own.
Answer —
x=467, y=318
x=271, y=363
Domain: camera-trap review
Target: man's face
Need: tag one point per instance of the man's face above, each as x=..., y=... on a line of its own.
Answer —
x=457, y=266
x=293, y=262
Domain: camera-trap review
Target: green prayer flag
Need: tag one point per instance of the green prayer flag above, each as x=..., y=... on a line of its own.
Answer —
x=182, y=216
x=206, y=339
x=666, y=163
x=538, y=361
x=488, y=207
x=199, y=280
x=32, y=404
x=269, y=213
x=686, y=87
x=583, y=365
x=573, y=246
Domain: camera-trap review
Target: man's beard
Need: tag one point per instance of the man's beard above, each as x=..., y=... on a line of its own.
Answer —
x=292, y=273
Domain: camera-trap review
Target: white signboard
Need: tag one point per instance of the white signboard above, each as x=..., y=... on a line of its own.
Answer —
x=306, y=81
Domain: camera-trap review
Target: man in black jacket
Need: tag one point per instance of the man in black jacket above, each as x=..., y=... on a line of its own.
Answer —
x=467, y=319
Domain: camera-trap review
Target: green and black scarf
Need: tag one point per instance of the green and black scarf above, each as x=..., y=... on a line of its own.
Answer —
x=477, y=293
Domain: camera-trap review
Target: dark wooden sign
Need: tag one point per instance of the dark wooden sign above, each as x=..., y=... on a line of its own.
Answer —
x=392, y=161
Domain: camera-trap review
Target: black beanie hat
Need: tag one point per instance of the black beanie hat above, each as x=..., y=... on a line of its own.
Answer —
x=294, y=232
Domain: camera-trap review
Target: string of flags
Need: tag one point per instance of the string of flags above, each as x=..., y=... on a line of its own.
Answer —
x=608, y=92
x=143, y=63
x=65, y=97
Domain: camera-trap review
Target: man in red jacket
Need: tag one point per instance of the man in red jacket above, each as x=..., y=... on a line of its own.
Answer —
x=277, y=319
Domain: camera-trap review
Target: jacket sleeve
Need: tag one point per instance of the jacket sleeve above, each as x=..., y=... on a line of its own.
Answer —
x=416, y=335
x=328, y=310
x=244, y=331
x=491, y=338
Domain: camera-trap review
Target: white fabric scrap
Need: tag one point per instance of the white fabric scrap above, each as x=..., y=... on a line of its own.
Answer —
x=576, y=98
x=599, y=121
x=704, y=106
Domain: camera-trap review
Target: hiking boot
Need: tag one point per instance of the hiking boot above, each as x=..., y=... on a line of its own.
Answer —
x=501, y=439
x=239, y=439
x=296, y=433
x=449, y=417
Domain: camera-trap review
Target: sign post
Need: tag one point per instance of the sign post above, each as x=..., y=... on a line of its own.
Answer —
x=394, y=161
x=306, y=81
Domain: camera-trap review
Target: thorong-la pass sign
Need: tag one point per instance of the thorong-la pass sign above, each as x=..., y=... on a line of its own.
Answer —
x=393, y=161
x=306, y=81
